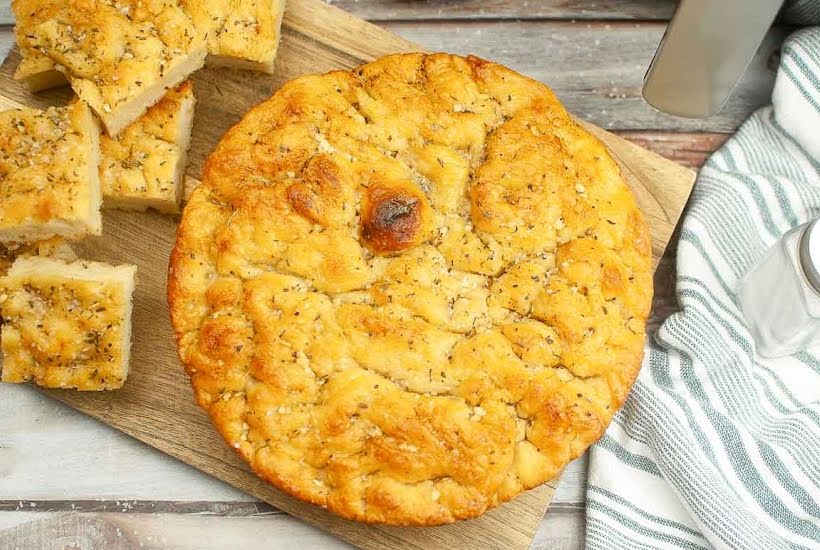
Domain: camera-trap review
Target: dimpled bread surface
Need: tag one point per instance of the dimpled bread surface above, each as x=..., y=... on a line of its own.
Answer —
x=409, y=292
x=240, y=33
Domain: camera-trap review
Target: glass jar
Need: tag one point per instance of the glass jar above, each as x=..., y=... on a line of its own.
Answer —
x=780, y=296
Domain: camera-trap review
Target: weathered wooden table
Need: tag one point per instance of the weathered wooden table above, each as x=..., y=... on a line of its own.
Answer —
x=69, y=482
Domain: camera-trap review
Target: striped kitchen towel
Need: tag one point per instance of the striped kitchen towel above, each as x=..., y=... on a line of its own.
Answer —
x=801, y=12
x=717, y=447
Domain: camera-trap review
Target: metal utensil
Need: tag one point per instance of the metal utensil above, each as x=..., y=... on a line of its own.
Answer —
x=705, y=50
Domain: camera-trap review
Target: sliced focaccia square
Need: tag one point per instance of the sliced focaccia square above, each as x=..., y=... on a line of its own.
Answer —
x=240, y=33
x=144, y=167
x=54, y=247
x=49, y=174
x=66, y=325
x=120, y=56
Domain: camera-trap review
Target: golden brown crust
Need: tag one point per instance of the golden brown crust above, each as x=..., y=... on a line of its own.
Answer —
x=118, y=55
x=409, y=292
x=35, y=68
x=392, y=218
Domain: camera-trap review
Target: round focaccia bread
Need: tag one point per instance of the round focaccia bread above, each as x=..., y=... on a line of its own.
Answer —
x=411, y=291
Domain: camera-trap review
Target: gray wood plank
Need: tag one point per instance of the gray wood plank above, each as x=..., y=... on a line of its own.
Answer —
x=376, y=10
x=6, y=41
x=32, y=523
x=385, y=10
x=54, y=453
x=596, y=69
x=39, y=448
x=596, y=79
x=214, y=508
x=128, y=506
x=562, y=529
x=690, y=149
x=152, y=531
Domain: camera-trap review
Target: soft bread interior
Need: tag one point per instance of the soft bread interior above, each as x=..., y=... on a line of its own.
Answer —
x=45, y=80
x=181, y=120
x=230, y=62
x=79, y=270
x=91, y=128
x=38, y=73
x=34, y=231
x=185, y=131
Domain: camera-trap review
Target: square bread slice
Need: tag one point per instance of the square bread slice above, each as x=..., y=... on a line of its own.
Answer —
x=240, y=33
x=66, y=325
x=55, y=247
x=144, y=167
x=49, y=174
x=120, y=56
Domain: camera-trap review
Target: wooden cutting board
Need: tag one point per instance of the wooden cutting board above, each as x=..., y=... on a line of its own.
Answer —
x=156, y=405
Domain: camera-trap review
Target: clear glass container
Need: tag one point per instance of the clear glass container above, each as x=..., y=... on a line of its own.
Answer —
x=780, y=296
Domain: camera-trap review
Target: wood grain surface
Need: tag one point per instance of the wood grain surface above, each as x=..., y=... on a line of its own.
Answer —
x=426, y=10
x=688, y=148
x=595, y=66
x=156, y=406
x=54, y=456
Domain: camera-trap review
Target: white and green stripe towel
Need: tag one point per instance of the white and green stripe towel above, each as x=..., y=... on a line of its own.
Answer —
x=715, y=446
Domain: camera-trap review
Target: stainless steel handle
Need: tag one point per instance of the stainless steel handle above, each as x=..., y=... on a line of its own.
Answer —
x=706, y=48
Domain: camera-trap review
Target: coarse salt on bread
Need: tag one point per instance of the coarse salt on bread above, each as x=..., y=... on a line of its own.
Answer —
x=409, y=292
